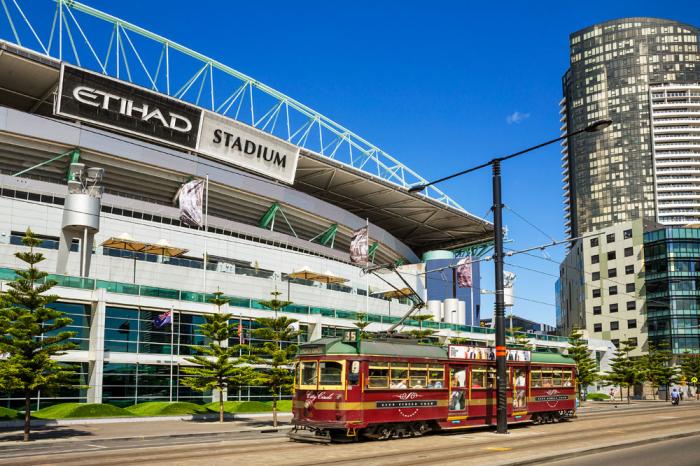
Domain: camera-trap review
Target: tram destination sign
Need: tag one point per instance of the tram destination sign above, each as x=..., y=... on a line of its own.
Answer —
x=115, y=104
x=241, y=145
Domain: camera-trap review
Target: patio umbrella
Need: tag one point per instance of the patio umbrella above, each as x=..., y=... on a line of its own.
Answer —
x=126, y=242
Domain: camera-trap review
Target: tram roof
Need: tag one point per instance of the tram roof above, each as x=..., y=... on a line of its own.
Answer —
x=404, y=349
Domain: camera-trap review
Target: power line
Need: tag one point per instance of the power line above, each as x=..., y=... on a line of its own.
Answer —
x=530, y=223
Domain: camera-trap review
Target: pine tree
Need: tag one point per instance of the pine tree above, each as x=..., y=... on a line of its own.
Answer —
x=624, y=371
x=362, y=323
x=31, y=333
x=690, y=367
x=277, y=353
x=656, y=367
x=586, y=367
x=217, y=366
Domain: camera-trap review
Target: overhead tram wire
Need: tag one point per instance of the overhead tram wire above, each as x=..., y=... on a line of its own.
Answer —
x=529, y=223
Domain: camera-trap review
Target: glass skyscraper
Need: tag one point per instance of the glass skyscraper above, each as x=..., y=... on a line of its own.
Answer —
x=609, y=176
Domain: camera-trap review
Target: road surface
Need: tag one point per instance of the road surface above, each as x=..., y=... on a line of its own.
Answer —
x=607, y=432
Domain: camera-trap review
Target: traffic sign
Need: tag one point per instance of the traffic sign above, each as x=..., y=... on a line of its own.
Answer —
x=694, y=380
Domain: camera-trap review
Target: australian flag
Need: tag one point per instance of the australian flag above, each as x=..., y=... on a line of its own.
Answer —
x=163, y=319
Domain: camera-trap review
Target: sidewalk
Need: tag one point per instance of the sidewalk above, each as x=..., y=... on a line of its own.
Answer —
x=175, y=427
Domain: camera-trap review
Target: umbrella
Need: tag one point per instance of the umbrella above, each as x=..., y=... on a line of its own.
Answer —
x=304, y=273
x=127, y=243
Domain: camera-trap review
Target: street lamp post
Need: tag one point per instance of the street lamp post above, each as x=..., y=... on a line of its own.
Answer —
x=499, y=311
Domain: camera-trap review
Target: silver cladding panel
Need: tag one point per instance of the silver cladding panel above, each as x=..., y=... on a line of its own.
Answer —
x=81, y=211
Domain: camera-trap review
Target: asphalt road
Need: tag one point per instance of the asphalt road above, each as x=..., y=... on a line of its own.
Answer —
x=678, y=452
x=525, y=444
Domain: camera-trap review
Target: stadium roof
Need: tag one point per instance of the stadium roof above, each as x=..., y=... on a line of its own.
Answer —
x=335, y=164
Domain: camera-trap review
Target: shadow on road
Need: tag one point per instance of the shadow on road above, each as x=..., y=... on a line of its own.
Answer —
x=43, y=433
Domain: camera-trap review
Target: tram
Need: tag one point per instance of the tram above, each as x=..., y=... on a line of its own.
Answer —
x=347, y=388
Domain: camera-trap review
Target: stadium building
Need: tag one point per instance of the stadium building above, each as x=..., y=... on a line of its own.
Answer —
x=95, y=150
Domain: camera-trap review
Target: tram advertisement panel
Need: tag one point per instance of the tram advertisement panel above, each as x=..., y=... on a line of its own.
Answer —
x=483, y=353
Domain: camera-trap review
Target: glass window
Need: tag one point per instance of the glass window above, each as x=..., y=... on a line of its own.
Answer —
x=631, y=305
x=547, y=376
x=597, y=327
x=613, y=307
x=479, y=377
x=378, y=375
x=612, y=273
x=595, y=276
x=595, y=259
x=458, y=377
x=610, y=237
x=556, y=378
x=632, y=342
x=536, y=379
x=632, y=323
x=309, y=372
x=629, y=269
x=611, y=255
x=596, y=310
x=616, y=342
x=594, y=242
x=567, y=379
x=399, y=375
x=331, y=373
x=627, y=234
x=629, y=252
x=629, y=287
x=436, y=376
x=418, y=376
x=596, y=293
x=612, y=291
x=614, y=325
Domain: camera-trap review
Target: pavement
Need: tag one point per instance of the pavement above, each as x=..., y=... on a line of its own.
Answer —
x=602, y=430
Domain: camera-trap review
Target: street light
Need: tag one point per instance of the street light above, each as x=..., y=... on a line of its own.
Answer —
x=499, y=312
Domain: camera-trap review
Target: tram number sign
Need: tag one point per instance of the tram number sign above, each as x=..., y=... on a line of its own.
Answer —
x=406, y=404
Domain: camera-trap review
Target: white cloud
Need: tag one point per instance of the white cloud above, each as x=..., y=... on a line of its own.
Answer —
x=516, y=117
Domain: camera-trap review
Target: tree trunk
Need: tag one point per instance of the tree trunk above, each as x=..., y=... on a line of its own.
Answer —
x=274, y=411
x=628, y=394
x=221, y=406
x=27, y=413
x=620, y=387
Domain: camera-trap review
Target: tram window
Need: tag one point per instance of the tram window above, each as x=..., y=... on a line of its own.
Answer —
x=536, y=379
x=418, y=375
x=567, y=379
x=378, y=375
x=458, y=377
x=491, y=378
x=519, y=377
x=478, y=378
x=436, y=376
x=556, y=378
x=546, y=378
x=309, y=372
x=399, y=376
x=331, y=373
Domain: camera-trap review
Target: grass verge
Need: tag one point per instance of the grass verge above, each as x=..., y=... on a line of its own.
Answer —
x=164, y=408
x=79, y=410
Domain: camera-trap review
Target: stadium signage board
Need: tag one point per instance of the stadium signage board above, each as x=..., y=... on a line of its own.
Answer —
x=241, y=145
x=114, y=104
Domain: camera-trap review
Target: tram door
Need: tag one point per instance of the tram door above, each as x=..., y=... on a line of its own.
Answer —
x=519, y=378
x=458, y=390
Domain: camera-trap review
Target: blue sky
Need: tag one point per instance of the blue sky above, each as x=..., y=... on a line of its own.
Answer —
x=439, y=85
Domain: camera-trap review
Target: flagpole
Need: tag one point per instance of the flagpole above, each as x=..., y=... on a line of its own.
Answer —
x=172, y=361
x=367, y=275
x=206, y=232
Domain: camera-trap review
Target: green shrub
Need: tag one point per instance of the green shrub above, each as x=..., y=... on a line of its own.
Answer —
x=79, y=410
x=597, y=396
x=8, y=414
x=165, y=408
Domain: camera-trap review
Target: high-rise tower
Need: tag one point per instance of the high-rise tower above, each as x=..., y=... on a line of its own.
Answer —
x=609, y=178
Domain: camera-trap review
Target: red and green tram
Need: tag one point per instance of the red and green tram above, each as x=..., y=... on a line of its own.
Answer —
x=381, y=389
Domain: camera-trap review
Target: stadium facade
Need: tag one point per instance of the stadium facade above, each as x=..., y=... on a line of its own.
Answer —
x=93, y=158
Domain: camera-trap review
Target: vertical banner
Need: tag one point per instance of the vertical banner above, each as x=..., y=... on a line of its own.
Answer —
x=191, y=200
x=464, y=273
x=359, y=246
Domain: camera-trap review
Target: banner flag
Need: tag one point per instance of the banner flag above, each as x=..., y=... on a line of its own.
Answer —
x=464, y=273
x=191, y=195
x=163, y=319
x=359, y=246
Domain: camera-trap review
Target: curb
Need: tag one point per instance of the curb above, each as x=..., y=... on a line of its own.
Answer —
x=130, y=419
x=262, y=430
x=596, y=450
